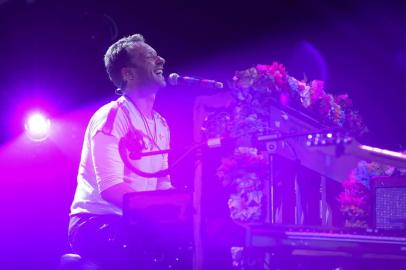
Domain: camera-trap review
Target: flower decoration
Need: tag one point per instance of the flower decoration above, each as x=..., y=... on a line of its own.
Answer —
x=242, y=174
x=355, y=202
x=317, y=90
x=355, y=199
x=257, y=85
x=344, y=101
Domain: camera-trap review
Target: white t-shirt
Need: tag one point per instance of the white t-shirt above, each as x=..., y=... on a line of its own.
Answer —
x=101, y=165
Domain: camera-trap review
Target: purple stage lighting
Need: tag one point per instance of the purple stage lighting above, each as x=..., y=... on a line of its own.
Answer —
x=37, y=127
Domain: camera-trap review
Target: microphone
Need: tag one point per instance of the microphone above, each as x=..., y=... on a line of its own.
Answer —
x=175, y=79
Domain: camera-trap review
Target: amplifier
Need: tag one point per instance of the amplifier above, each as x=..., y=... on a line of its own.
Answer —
x=390, y=203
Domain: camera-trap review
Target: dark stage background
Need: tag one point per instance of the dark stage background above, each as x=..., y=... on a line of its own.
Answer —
x=51, y=57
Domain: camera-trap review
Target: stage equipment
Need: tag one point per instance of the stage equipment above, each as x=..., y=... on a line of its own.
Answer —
x=159, y=229
x=389, y=203
x=324, y=248
x=343, y=144
x=161, y=206
x=327, y=238
x=37, y=127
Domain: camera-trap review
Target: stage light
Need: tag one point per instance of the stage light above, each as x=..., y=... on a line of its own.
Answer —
x=37, y=127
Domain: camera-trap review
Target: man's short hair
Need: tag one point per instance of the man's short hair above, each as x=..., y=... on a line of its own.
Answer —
x=117, y=57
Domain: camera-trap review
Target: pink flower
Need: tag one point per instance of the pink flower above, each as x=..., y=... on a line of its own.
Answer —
x=277, y=68
x=277, y=71
x=343, y=100
x=263, y=68
x=301, y=85
x=325, y=104
x=317, y=90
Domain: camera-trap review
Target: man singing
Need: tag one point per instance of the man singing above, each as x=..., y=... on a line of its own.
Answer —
x=95, y=229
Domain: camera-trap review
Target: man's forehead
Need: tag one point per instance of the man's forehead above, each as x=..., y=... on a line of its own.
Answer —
x=140, y=48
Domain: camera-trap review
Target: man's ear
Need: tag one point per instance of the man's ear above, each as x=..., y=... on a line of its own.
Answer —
x=127, y=74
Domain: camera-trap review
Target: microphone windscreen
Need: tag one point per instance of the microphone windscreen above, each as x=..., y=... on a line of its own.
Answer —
x=173, y=79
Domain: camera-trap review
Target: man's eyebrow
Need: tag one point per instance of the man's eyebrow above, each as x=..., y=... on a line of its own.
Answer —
x=152, y=53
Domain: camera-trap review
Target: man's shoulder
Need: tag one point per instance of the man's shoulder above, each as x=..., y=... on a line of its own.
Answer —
x=104, y=111
x=108, y=109
x=108, y=118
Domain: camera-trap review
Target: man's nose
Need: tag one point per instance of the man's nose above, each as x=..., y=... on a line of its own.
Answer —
x=160, y=60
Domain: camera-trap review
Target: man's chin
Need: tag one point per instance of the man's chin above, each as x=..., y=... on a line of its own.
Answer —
x=162, y=83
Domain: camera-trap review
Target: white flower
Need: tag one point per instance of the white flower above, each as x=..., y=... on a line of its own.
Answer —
x=305, y=97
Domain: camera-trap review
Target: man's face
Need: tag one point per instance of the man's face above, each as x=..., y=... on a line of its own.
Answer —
x=149, y=65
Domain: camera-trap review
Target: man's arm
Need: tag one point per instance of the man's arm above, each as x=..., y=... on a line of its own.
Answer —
x=109, y=169
x=164, y=183
x=114, y=194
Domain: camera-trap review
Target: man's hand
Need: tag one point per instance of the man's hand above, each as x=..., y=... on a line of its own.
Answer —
x=114, y=194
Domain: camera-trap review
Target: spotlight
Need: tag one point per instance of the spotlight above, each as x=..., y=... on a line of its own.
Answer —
x=37, y=127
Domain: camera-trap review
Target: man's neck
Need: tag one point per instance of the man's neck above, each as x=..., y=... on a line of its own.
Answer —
x=144, y=101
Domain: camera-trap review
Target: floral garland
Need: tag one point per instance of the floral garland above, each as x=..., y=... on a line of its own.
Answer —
x=241, y=173
x=273, y=81
x=255, y=89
